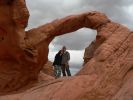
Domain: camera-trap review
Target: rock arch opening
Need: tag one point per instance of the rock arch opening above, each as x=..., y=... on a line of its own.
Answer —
x=76, y=42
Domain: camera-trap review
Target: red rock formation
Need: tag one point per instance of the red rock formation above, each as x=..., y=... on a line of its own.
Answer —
x=106, y=76
x=48, y=68
x=90, y=50
x=44, y=77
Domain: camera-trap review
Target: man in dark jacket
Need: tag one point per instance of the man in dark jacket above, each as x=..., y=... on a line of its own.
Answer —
x=57, y=64
x=65, y=62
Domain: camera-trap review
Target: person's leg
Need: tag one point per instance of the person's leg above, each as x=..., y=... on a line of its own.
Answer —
x=63, y=70
x=59, y=71
x=55, y=71
x=68, y=71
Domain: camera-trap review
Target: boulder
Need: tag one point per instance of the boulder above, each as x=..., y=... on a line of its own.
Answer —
x=48, y=69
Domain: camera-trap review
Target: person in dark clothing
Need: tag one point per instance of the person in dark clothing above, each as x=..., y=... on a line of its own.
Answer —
x=57, y=64
x=65, y=62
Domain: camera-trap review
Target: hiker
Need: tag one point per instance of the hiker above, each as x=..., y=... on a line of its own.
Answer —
x=57, y=64
x=65, y=62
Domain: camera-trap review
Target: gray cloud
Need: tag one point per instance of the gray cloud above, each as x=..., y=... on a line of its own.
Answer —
x=76, y=40
x=43, y=11
x=117, y=10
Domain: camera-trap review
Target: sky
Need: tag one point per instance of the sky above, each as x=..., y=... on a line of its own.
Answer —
x=44, y=11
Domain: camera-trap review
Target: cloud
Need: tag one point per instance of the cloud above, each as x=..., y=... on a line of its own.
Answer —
x=76, y=40
x=119, y=11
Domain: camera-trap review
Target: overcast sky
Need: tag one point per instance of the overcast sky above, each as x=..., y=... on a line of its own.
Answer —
x=43, y=11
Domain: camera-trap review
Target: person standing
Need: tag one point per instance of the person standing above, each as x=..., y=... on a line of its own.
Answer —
x=65, y=62
x=57, y=64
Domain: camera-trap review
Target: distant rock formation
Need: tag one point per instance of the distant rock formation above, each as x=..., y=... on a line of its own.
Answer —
x=107, y=75
x=47, y=72
x=48, y=69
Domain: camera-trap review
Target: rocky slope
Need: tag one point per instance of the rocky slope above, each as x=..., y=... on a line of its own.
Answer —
x=106, y=75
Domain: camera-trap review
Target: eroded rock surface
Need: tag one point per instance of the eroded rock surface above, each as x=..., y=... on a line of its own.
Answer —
x=48, y=69
x=105, y=76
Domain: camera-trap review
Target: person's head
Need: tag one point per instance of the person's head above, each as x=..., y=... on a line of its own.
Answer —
x=64, y=49
x=60, y=52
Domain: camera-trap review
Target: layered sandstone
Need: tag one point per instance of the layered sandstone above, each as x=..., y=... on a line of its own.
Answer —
x=106, y=75
x=48, y=69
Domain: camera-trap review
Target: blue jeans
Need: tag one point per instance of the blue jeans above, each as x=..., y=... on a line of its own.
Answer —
x=65, y=69
x=57, y=71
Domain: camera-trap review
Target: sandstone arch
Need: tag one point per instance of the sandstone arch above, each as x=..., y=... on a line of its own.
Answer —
x=23, y=53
